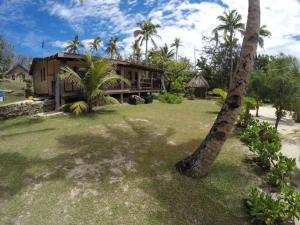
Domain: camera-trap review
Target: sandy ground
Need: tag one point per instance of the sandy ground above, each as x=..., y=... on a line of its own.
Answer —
x=289, y=130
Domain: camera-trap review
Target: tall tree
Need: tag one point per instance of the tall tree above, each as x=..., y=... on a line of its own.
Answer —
x=231, y=21
x=177, y=43
x=137, y=52
x=146, y=32
x=283, y=81
x=74, y=45
x=112, y=48
x=95, y=45
x=93, y=84
x=7, y=52
x=200, y=162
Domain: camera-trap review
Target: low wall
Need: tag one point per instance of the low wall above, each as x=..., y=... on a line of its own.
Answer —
x=25, y=108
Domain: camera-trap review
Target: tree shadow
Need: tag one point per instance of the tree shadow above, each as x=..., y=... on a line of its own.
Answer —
x=20, y=122
x=136, y=148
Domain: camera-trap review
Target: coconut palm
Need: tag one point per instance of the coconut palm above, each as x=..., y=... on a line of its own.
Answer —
x=99, y=76
x=95, y=45
x=165, y=52
x=231, y=21
x=147, y=31
x=177, y=43
x=263, y=32
x=137, y=54
x=74, y=45
x=200, y=162
x=112, y=47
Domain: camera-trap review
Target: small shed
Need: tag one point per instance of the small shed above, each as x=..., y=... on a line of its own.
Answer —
x=199, y=85
x=18, y=72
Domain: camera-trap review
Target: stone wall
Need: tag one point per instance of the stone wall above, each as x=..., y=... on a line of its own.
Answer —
x=25, y=108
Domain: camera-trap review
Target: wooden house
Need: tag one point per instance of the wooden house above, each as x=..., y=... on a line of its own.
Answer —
x=46, y=82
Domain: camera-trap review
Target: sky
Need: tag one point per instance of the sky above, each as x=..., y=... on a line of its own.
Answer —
x=27, y=23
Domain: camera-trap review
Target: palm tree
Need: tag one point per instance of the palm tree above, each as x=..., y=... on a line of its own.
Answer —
x=263, y=32
x=74, y=45
x=137, y=54
x=200, y=162
x=95, y=45
x=147, y=31
x=166, y=53
x=231, y=21
x=93, y=84
x=112, y=47
x=177, y=43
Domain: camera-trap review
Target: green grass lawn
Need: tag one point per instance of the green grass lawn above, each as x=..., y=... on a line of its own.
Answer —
x=117, y=167
x=18, y=91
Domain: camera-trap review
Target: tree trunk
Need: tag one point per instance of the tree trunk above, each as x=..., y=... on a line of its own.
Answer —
x=231, y=60
x=277, y=122
x=176, y=54
x=257, y=109
x=199, y=163
x=147, y=51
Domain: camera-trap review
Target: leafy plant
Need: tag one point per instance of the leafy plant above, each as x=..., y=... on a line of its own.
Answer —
x=282, y=172
x=99, y=77
x=266, y=153
x=245, y=120
x=170, y=98
x=270, y=209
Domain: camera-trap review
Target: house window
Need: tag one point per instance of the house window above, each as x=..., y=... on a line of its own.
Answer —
x=43, y=74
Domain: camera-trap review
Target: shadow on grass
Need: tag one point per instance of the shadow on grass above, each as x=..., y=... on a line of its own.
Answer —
x=20, y=122
x=26, y=132
x=213, y=200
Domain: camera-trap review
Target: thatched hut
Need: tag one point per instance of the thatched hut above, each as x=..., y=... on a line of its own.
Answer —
x=199, y=85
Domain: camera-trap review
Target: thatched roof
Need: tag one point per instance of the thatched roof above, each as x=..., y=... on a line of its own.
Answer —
x=198, y=82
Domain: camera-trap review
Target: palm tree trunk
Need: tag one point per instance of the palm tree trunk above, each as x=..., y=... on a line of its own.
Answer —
x=176, y=54
x=200, y=162
x=257, y=108
x=147, y=50
x=231, y=60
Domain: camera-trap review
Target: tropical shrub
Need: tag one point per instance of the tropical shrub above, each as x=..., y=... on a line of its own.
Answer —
x=245, y=120
x=99, y=77
x=149, y=99
x=189, y=93
x=266, y=153
x=265, y=208
x=28, y=88
x=169, y=98
x=282, y=172
x=248, y=104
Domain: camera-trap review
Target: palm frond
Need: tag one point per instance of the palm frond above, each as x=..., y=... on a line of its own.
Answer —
x=79, y=107
x=67, y=74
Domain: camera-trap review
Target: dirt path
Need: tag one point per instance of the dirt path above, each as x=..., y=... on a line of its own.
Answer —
x=289, y=130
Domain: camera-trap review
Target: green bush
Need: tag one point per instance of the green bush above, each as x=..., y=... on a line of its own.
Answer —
x=220, y=93
x=282, y=172
x=170, y=98
x=266, y=153
x=265, y=208
x=246, y=120
x=189, y=93
x=248, y=104
x=149, y=99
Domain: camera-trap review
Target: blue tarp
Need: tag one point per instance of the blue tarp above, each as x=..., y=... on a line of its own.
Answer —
x=2, y=94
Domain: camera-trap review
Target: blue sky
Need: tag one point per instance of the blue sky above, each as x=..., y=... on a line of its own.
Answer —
x=27, y=23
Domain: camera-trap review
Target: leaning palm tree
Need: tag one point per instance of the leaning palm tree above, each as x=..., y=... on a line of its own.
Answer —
x=231, y=21
x=200, y=162
x=99, y=77
x=177, y=43
x=74, y=45
x=112, y=47
x=147, y=31
x=95, y=44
